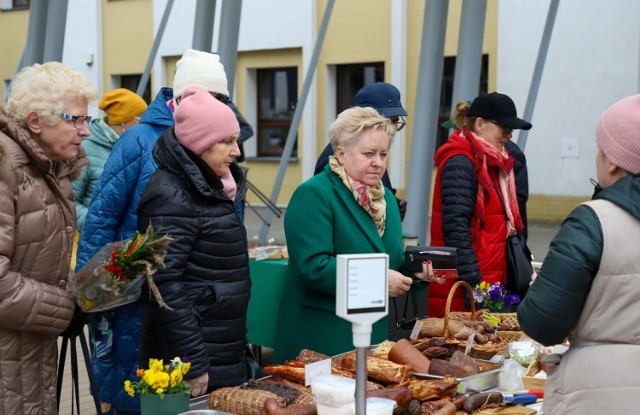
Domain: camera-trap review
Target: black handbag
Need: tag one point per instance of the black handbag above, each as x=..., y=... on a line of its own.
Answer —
x=519, y=268
x=404, y=325
x=254, y=370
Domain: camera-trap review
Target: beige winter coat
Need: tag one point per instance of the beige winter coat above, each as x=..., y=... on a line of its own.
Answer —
x=37, y=217
x=600, y=373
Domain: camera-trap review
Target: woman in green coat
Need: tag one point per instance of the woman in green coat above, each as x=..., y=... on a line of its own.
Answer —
x=343, y=210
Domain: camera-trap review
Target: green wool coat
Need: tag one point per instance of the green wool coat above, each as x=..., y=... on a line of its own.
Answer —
x=323, y=220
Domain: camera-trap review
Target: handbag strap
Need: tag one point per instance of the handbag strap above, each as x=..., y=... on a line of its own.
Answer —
x=504, y=208
x=412, y=297
x=499, y=194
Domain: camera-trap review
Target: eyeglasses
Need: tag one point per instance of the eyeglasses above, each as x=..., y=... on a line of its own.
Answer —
x=505, y=130
x=78, y=120
x=400, y=123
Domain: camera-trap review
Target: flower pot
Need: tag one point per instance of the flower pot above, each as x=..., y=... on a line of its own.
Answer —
x=151, y=404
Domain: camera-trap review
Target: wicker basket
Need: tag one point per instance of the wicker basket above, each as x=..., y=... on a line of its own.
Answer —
x=506, y=319
x=478, y=351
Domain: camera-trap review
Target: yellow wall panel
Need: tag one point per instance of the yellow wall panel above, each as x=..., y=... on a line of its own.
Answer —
x=13, y=32
x=127, y=35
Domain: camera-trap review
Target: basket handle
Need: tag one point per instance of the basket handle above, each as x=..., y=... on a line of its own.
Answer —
x=447, y=308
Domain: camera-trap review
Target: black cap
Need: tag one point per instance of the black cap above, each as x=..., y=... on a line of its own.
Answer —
x=384, y=97
x=499, y=108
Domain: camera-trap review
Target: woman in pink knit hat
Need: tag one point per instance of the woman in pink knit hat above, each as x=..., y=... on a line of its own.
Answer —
x=192, y=197
x=589, y=285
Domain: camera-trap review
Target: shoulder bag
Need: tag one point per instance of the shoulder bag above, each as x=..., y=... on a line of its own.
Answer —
x=404, y=325
x=519, y=269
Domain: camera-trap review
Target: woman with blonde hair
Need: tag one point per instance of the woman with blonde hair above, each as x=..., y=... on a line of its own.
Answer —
x=343, y=210
x=41, y=129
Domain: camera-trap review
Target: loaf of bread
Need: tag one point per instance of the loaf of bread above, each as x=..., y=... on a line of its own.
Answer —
x=405, y=353
x=240, y=400
x=379, y=369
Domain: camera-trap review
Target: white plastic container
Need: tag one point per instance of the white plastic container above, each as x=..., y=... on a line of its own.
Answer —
x=333, y=390
x=380, y=406
x=323, y=409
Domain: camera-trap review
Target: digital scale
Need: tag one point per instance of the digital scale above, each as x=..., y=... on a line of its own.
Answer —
x=362, y=298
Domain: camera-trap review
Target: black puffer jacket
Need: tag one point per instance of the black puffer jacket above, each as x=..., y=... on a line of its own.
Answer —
x=206, y=278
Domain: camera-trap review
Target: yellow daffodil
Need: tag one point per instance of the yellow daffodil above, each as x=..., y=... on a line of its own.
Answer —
x=128, y=388
x=185, y=368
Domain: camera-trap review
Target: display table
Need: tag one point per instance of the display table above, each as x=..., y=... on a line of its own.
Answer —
x=267, y=278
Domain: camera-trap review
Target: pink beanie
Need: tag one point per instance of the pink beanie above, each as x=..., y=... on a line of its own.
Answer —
x=202, y=120
x=618, y=134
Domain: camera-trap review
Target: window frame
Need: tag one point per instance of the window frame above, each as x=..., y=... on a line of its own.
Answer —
x=269, y=151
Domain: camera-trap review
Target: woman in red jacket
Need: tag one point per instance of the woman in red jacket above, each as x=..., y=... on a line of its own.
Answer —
x=475, y=177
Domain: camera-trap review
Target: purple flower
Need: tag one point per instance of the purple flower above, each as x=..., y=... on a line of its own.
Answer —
x=495, y=295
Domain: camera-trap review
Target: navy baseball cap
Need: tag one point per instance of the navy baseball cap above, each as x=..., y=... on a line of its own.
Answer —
x=384, y=97
x=499, y=108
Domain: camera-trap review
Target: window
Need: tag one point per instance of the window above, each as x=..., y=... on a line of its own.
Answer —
x=21, y=4
x=446, y=94
x=131, y=82
x=350, y=78
x=277, y=100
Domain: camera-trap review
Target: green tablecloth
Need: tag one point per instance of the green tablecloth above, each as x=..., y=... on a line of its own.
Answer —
x=267, y=277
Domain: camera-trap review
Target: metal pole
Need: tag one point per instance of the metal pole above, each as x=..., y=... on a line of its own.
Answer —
x=203, y=26
x=56, y=25
x=466, y=80
x=537, y=70
x=154, y=49
x=34, y=48
x=293, y=131
x=361, y=380
x=228, y=39
x=425, y=123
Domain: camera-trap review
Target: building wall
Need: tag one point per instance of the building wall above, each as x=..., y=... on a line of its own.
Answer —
x=592, y=62
x=13, y=32
x=127, y=36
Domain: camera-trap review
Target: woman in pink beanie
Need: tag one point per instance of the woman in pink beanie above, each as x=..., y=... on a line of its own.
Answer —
x=589, y=285
x=191, y=197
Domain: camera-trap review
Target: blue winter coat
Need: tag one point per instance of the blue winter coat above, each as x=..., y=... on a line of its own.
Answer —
x=98, y=147
x=112, y=216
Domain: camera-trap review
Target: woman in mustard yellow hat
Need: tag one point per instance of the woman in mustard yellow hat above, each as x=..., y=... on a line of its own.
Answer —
x=122, y=110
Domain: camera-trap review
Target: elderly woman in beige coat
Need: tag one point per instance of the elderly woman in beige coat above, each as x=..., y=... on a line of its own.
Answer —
x=41, y=129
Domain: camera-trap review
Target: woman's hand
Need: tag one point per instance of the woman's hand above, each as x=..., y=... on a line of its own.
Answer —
x=398, y=283
x=199, y=385
x=427, y=274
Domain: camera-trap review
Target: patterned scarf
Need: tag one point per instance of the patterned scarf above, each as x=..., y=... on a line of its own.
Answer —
x=371, y=198
x=489, y=155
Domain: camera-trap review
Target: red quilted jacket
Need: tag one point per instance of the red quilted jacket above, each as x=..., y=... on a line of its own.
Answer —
x=487, y=229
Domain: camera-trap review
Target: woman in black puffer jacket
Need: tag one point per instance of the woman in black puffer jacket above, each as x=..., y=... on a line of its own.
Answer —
x=191, y=197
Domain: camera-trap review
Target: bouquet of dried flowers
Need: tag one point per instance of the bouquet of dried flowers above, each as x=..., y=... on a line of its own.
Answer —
x=494, y=296
x=161, y=379
x=114, y=276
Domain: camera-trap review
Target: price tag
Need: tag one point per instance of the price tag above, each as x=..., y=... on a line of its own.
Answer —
x=323, y=367
x=416, y=329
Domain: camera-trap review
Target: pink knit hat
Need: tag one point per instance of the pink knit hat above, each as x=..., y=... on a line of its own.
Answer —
x=618, y=134
x=202, y=120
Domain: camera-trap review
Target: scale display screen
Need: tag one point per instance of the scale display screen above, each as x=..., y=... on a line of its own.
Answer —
x=367, y=290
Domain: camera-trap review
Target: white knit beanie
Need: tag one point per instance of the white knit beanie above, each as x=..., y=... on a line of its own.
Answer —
x=203, y=69
x=618, y=134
